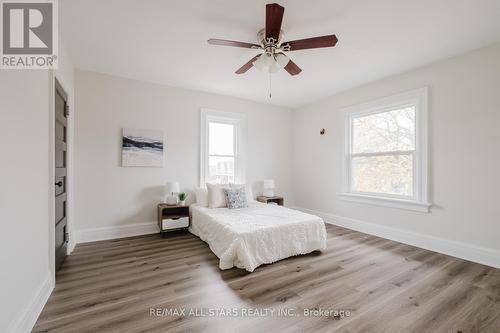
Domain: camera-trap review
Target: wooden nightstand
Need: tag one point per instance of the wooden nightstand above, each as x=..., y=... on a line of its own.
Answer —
x=172, y=217
x=276, y=199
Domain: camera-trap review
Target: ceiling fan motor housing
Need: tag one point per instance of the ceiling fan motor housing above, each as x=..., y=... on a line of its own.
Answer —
x=269, y=45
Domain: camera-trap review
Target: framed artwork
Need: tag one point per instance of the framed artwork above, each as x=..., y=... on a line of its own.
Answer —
x=142, y=148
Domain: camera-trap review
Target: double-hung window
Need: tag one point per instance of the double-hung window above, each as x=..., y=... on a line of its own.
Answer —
x=221, y=157
x=386, y=152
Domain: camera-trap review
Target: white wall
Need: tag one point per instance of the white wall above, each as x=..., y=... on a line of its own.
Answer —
x=464, y=112
x=25, y=279
x=26, y=191
x=108, y=195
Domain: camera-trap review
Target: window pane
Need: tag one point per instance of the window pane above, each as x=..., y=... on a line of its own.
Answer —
x=383, y=132
x=220, y=169
x=221, y=139
x=383, y=174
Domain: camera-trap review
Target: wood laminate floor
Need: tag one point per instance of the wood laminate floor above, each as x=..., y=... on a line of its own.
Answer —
x=381, y=285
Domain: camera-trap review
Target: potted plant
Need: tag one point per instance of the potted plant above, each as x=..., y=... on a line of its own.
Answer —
x=182, y=198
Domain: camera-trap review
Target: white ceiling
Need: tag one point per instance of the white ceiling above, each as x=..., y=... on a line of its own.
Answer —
x=165, y=41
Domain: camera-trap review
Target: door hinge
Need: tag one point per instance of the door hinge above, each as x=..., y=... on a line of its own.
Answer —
x=66, y=237
x=66, y=110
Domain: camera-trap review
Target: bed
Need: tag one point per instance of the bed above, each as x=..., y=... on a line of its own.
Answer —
x=258, y=234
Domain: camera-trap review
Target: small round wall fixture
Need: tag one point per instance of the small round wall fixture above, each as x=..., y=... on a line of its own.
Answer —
x=322, y=131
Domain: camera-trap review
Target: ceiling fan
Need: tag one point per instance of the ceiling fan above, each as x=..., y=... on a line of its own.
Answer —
x=270, y=40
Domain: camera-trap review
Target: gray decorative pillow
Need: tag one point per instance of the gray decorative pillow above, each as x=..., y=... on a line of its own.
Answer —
x=235, y=198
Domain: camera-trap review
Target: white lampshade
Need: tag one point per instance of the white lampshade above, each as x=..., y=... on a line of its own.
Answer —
x=269, y=183
x=172, y=187
x=271, y=64
x=266, y=63
x=282, y=59
x=262, y=62
x=274, y=67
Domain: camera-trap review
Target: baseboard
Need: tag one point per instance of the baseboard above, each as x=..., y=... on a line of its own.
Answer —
x=71, y=243
x=482, y=255
x=71, y=246
x=119, y=231
x=25, y=322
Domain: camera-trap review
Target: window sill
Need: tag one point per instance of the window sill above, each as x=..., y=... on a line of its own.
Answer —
x=387, y=202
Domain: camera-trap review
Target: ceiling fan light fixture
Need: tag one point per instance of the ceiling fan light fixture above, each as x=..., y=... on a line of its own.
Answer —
x=260, y=63
x=266, y=63
x=274, y=67
x=282, y=60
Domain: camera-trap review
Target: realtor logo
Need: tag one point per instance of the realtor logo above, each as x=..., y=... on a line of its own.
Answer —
x=29, y=34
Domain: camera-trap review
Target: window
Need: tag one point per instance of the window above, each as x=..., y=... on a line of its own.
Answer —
x=221, y=153
x=222, y=148
x=386, y=152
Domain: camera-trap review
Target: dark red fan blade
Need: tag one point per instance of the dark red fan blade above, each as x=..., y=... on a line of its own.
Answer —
x=274, y=17
x=312, y=43
x=223, y=42
x=243, y=69
x=292, y=68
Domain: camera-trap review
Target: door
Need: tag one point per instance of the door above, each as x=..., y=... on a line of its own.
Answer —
x=61, y=184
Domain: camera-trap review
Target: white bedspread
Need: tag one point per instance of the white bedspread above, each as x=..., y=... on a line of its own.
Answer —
x=260, y=234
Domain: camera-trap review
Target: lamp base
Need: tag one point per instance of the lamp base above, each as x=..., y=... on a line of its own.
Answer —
x=171, y=200
x=268, y=193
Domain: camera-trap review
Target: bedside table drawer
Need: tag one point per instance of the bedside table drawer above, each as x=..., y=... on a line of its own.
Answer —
x=182, y=222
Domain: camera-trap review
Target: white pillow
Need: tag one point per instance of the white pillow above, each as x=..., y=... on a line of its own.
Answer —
x=201, y=196
x=216, y=195
x=248, y=190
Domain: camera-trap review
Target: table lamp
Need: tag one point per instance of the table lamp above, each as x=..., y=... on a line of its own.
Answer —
x=268, y=188
x=171, y=188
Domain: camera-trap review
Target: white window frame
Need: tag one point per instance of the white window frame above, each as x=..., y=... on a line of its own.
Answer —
x=238, y=121
x=419, y=200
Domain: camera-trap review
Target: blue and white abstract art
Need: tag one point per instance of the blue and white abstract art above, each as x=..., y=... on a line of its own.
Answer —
x=142, y=148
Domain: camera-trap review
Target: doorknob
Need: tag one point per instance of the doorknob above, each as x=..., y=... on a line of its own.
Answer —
x=59, y=183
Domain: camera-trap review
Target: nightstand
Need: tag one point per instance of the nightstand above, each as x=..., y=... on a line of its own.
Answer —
x=276, y=199
x=172, y=218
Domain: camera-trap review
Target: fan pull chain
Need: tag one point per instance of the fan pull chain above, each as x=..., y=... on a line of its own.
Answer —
x=270, y=87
